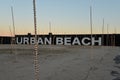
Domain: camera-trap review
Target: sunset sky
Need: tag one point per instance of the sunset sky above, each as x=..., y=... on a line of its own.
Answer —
x=66, y=16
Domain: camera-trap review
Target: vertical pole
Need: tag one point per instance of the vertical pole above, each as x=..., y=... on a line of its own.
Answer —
x=13, y=50
x=49, y=27
x=13, y=39
x=114, y=40
x=107, y=35
x=36, y=44
x=91, y=23
x=103, y=33
x=114, y=37
x=50, y=33
x=91, y=31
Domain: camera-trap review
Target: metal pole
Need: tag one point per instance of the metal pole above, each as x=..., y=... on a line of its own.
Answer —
x=103, y=33
x=107, y=35
x=36, y=44
x=13, y=39
x=49, y=27
x=91, y=23
x=115, y=37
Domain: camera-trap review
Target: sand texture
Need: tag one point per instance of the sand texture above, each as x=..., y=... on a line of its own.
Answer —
x=60, y=62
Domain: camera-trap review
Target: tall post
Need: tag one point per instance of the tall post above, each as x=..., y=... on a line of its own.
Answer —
x=91, y=23
x=107, y=40
x=49, y=27
x=36, y=44
x=13, y=39
x=91, y=33
x=103, y=33
x=115, y=37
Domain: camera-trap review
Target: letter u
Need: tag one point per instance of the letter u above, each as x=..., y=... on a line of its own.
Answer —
x=19, y=40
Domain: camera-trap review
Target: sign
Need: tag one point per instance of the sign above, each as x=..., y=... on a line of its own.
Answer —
x=57, y=40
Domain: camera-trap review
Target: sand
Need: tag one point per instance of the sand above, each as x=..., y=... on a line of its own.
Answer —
x=59, y=62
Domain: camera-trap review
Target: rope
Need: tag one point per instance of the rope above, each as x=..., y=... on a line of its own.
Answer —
x=36, y=64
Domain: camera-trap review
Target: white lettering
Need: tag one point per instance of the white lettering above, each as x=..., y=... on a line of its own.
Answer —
x=25, y=40
x=59, y=41
x=19, y=41
x=96, y=41
x=40, y=41
x=48, y=41
x=32, y=40
x=76, y=41
x=83, y=41
x=67, y=41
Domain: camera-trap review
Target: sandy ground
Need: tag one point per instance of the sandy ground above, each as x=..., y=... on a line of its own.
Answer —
x=59, y=63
